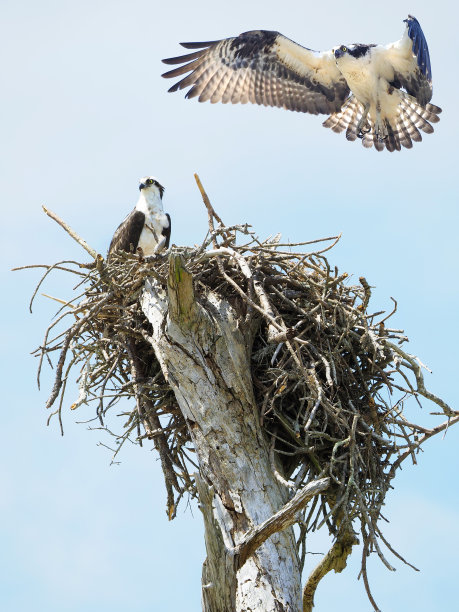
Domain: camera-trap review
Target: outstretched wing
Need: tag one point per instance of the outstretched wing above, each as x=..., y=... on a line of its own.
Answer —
x=410, y=61
x=261, y=67
x=127, y=235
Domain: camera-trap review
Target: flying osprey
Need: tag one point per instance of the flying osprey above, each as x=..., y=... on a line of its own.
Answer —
x=378, y=93
x=147, y=226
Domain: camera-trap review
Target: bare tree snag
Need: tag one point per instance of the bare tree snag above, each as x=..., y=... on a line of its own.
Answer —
x=205, y=356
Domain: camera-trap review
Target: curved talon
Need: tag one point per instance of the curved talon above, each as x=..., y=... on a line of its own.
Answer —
x=365, y=129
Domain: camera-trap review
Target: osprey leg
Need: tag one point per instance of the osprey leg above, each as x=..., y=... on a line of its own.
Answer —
x=380, y=126
x=363, y=127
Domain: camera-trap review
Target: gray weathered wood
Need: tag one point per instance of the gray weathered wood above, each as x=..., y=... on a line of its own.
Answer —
x=205, y=356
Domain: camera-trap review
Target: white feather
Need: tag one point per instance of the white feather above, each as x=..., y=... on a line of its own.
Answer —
x=151, y=239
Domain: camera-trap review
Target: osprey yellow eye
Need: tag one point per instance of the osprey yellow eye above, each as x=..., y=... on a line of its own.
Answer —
x=343, y=49
x=149, y=181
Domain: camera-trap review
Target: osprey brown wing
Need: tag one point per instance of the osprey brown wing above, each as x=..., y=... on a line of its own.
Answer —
x=167, y=232
x=127, y=235
x=264, y=68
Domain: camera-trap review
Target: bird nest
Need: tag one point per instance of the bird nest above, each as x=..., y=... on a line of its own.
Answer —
x=330, y=376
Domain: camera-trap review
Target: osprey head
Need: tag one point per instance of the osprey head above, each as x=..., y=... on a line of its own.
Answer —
x=340, y=51
x=356, y=50
x=151, y=185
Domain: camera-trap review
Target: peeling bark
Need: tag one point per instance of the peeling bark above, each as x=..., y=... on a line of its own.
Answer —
x=205, y=356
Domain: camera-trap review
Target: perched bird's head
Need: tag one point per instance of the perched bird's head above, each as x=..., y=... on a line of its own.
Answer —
x=151, y=186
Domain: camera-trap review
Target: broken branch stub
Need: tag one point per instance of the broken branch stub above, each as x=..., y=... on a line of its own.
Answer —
x=182, y=306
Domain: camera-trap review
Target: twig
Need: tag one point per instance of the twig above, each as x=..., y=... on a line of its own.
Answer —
x=205, y=199
x=71, y=232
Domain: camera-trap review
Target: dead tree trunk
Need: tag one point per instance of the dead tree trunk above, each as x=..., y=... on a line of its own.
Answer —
x=205, y=357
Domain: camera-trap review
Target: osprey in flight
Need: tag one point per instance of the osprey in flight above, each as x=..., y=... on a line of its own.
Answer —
x=147, y=226
x=378, y=93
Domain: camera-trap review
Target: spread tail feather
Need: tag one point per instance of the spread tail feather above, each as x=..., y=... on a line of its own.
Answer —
x=393, y=134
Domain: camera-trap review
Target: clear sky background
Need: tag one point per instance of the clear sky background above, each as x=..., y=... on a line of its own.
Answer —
x=84, y=114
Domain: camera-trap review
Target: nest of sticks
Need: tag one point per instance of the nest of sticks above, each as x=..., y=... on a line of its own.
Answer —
x=331, y=377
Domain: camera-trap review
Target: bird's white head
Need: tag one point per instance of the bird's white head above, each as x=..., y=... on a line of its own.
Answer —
x=151, y=187
x=339, y=52
x=349, y=55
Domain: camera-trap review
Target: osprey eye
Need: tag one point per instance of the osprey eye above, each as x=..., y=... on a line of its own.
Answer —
x=343, y=49
x=149, y=181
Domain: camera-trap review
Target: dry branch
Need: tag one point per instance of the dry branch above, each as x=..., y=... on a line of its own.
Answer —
x=71, y=232
x=284, y=518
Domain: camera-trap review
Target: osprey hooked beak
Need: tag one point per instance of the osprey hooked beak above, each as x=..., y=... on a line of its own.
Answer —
x=148, y=183
x=340, y=51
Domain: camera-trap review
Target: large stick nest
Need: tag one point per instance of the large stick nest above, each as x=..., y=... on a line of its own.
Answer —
x=330, y=375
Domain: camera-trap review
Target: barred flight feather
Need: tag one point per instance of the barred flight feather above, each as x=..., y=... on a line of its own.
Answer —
x=261, y=67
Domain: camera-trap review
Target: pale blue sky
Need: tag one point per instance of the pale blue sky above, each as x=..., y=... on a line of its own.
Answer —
x=84, y=113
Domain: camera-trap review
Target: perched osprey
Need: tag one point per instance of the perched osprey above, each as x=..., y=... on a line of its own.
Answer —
x=147, y=226
x=378, y=93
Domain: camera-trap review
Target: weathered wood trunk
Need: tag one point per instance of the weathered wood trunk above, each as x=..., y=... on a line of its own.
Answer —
x=204, y=351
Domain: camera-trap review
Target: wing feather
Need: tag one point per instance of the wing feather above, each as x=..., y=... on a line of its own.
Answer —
x=127, y=235
x=346, y=119
x=261, y=67
x=183, y=58
x=225, y=77
x=197, y=45
x=228, y=91
x=167, y=231
x=410, y=62
x=212, y=79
